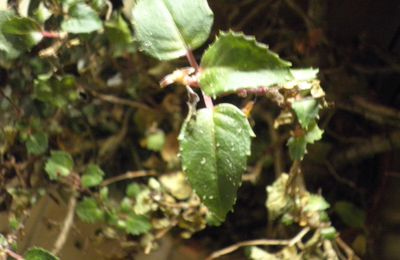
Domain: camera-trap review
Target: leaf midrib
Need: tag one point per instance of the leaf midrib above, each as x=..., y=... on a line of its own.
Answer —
x=175, y=26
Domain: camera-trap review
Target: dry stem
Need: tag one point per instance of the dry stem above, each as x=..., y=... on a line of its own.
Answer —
x=260, y=242
x=69, y=219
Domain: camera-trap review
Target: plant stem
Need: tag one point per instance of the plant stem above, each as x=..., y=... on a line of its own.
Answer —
x=69, y=220
x=127, y=176
x=13, y=254
x=51, y=35
x=193, y=63
x=260, y=242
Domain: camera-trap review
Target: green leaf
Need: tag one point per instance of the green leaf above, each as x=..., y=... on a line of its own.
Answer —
x=304, y=74
x=137, y=224
x=81, y=19
x=119, y=36
x=306, y=111
x=42, y=13
x=155, y=141
x=22, y=32
x=298, y=145
x=88, y=210
x=37, y=253
x=92, y=176
x=133, y=190
x=316, y=203
x=329, y=233
x=126, y=205
x=235, y=61
x=56, y=91
x=214, y=147
x=59, y=164
x=350, y=214
x=5, y=45
x=37, y=143
x=166, y=29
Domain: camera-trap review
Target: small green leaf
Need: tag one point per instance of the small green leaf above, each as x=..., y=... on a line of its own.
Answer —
x=37, y=143
x=350, y=214
x=56, y=91
x=119, y=36
x=104, y=193
x=22, y=32
x=306, y=111
x=137, y=224
x=5, y=45
x=155, y=141
x=214, y=148
x=126, y=205
x=133, y=190
x=81, y=19
x=42, y=13
x=329, y=233
x=88, y=210
x=298, y=145
x=92, y=176
x=37, y=253
x=316, y=203
x=59, y=164
x=235, y=61
x=179, y=25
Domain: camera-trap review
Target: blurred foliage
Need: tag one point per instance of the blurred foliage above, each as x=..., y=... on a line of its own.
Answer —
x=83, y=117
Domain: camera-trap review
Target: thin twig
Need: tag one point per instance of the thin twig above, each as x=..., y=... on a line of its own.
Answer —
x=18, y=110
x=349, y=252
x=339, y=178
x=252, y=14
x=300, y=12
x=373, y=145
x=192, y=61
x=69, y=219
x=119, y=101
x=276, y=143
x=260, y=242
x=127, y=176
x=13, y=254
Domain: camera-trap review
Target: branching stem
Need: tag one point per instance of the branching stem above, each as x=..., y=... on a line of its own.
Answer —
x=192, y=61
x=260, y=242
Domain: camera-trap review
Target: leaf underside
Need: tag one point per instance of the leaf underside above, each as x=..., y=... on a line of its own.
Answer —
x=214, y=148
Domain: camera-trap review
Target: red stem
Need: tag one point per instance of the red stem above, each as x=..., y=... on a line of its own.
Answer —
x=13, y=254
x=52, y=35
x=192, y=61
